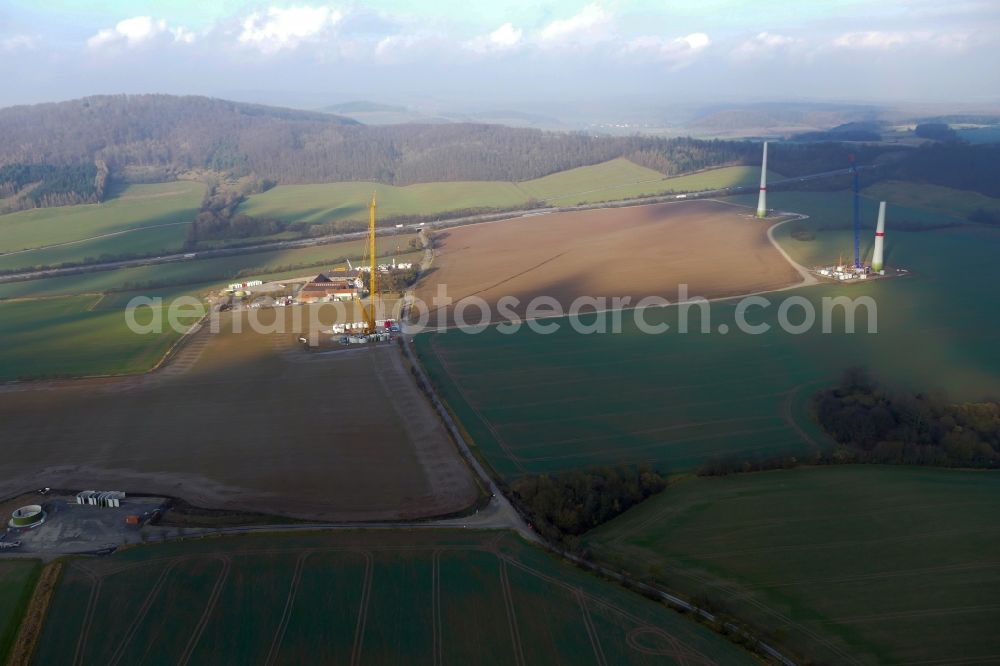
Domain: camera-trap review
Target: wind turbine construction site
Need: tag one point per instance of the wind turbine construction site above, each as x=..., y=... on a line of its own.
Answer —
x=845, y=271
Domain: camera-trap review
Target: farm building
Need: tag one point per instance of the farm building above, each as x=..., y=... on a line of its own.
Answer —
x=340, y=287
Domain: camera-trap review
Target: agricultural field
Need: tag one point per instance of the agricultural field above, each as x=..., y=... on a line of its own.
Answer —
x=989, y=134
x=635, y=252
x=17, y=581
x=135, y=220
x=75, y=336
x=417, y=596
x=710, y=179
x=617, y=179
x=946, y=200
x=847, y=564
x=537, y=403
x=609, y=180
x=272, y=264
x=335, y=202
x=71, y=326
x=343, y=435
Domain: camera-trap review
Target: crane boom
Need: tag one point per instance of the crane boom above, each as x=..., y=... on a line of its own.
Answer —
x=373, y=275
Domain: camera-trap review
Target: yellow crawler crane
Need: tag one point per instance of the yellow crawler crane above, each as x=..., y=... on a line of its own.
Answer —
x=370, y=309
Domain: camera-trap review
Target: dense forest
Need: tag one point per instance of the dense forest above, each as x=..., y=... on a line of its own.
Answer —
x=567, y=504
x=876, y=424
x=38, y=185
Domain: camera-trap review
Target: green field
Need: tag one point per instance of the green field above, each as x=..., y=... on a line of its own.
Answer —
x=858, y=564
x=989, y=134
x=17, y=582
x=535, y=403
x=562, y=189
x=617, y=179
x=611, y=180
x=73, y=336
x=333, y=202
x=202, y=273
x=933, y=197
x=372, y=598
x=143, y=207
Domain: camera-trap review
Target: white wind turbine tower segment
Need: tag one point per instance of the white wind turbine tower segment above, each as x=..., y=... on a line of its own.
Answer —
x=762, y=200
x=878, y=255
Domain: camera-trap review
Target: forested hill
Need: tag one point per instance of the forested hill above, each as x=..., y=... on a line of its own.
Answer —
x=286, y=146
x=52, y=154
x=162, y=130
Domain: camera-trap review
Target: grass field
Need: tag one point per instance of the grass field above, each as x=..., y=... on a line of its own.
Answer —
x=609, y=180
x=933, y=197
x=860, y=564
x=17, y=581
x=332, y=202
x=73, y=336
x=243, y=419
x=369, y=598
x=710, y=179
x=536, y=403
x=274, y=264
x=617, y=179
x=146, y=207
x=980, y=134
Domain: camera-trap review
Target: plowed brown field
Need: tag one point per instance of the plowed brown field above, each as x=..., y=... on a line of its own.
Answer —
x=716, y=249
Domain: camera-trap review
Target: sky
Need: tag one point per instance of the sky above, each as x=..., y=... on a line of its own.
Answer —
x=504, y=53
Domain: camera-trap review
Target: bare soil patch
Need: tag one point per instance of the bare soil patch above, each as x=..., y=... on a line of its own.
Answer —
x=247, y=422
x=714, y=248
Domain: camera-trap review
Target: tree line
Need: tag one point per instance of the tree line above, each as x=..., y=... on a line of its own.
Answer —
x=871, y=423
x=564, y=505
x=40, y=185
x=217, y=218
x=877, y=424
x=954, y=164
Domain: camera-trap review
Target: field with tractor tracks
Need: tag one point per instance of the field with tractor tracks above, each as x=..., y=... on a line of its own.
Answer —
x=360, y=598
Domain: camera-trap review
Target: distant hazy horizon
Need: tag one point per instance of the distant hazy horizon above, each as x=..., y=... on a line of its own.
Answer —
x=528, y=56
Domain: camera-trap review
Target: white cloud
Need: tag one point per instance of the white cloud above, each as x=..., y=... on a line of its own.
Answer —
x=183, y=35
x=763, y=44
x=679, y=50
x=286, y=27
x=400, y=48
x=872, y=39
x=877, y=40
x=591, y=24
x=138, y=30
x=18, y=43
x=504, y=38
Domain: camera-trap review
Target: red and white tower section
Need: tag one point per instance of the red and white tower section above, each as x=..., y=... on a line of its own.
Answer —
x=878, y=255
